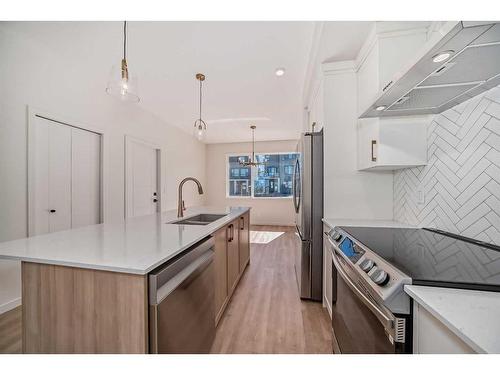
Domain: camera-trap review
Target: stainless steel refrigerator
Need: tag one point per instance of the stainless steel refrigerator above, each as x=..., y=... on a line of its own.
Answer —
x=308, y=204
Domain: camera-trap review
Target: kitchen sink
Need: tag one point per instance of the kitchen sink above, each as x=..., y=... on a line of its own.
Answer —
x=201, y=219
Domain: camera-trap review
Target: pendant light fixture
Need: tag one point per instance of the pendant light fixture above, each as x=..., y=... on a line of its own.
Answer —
x=252, y=162
x=200, y=128
x=121, y=83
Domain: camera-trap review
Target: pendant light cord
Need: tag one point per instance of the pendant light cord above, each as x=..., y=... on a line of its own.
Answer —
x=124, y=40
x=253, y=145
x=200, y=98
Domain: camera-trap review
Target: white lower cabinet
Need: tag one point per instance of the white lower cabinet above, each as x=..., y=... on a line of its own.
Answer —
x=430, y=336
x=392, y=143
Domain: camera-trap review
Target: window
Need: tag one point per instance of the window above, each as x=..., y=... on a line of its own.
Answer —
x=240, y=179
x=273, y=179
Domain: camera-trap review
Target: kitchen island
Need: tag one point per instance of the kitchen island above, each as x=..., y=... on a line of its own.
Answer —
x=85, y=290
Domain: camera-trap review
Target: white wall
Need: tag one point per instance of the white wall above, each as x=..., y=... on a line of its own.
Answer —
x=70, y=86
x=348, y=192
x=265, y=211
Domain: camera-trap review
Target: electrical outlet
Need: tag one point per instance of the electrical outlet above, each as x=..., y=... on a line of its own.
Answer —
x=420, y=197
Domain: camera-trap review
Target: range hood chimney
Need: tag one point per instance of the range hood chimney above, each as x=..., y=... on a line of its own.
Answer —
x=449, y=70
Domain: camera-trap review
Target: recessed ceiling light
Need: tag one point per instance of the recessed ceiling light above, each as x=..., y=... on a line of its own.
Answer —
x=380, y=108
x=280, y=72
x=442, y=56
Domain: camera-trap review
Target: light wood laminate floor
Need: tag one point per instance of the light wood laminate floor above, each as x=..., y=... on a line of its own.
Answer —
x=265, y=314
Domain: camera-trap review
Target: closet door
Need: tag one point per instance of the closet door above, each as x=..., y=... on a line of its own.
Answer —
x=85, y=177
x=39, y=178
x=59, y=177
x=64, y=177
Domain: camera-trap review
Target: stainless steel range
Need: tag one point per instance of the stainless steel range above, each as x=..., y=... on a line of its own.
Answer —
x=371, y=313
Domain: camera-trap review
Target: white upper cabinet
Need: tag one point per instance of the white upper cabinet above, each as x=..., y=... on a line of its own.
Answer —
x=392, y=143
x=389, y=143
x=388, y=48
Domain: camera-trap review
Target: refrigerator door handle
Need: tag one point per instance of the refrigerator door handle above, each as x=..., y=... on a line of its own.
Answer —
x=296, y=190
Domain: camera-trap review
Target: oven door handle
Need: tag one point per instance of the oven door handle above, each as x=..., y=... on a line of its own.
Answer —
x=386, y=321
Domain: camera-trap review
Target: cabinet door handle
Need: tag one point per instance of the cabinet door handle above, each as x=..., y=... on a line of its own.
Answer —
x=242, y=222
x=230, y=237
x=232, y=232
x=374, y=143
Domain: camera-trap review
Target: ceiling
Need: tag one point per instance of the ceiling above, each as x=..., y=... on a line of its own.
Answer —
x=239, y=60
x=342, y=40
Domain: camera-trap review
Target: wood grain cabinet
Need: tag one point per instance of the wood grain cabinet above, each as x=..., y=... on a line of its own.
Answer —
x=244, y=238
x=232, y=254
x=220, y=263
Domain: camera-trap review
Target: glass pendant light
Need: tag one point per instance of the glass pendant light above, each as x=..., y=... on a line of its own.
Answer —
x=200, y=128
x=252, y=162
x=121, y=83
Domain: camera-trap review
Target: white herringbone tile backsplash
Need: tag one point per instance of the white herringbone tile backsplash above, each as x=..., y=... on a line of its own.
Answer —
x=461, y=181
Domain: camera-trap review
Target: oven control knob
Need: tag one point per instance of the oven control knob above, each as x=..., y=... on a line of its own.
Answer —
x=367, y=265
x=380, y=277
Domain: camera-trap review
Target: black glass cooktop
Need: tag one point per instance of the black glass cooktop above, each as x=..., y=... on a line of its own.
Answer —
x=433, y=257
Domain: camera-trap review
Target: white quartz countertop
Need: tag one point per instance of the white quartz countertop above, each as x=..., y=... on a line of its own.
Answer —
x=365, y=223
x=472, y=315
x=137, y=245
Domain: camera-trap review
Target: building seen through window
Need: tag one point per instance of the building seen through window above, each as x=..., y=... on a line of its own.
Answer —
x=272, y=178
x=240, y=178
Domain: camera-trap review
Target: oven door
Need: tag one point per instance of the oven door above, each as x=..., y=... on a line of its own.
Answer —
x=360, y=325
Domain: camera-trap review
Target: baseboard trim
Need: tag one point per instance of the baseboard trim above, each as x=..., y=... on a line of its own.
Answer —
x=328, y=307
x=10, y=305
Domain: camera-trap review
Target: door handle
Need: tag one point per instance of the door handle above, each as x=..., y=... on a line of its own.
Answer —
x=52, y=211
x=296, y=180
x=374, y=143
x=387, y=321
x=232, y=232
x=242, y=221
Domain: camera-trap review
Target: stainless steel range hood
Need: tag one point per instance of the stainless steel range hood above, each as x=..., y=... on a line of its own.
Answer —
x=428, y=87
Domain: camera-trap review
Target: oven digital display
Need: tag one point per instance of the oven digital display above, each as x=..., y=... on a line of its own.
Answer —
x=350, y=250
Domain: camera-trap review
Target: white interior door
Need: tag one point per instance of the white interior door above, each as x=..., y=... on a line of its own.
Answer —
x=39, y=182
x=85, y=177
x=64, y=180
x=141, y=174
x=59, y=177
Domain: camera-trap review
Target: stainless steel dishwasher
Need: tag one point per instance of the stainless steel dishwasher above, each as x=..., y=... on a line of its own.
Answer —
x=181, y=302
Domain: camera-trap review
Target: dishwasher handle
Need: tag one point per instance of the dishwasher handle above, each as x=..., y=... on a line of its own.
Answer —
x=183, y=278
x=178, y=269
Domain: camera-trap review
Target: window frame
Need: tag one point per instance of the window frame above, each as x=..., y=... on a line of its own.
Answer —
x=253, y=174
